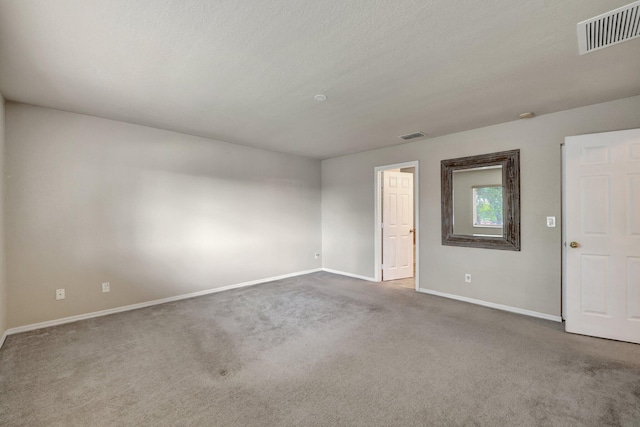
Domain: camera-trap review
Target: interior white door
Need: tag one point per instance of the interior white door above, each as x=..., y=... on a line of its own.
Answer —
x=602, y=196
x=397, y=225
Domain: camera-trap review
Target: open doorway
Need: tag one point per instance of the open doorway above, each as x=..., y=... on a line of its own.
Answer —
x=397, y=224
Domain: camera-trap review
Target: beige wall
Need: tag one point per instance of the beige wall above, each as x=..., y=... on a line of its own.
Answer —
x=3, y=283
x=529, y=279
x=155, y=213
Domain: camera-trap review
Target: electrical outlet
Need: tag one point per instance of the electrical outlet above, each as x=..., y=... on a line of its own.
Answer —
x=60, y=294
x=106, y=287
x=317, y=255
x=551, y=221
x=467, y=278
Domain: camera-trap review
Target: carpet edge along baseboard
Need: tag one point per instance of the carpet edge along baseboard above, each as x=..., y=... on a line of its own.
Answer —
x=91, y=315
x=502, y=307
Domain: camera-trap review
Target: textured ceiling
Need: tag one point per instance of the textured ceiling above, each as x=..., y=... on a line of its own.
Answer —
x=245, y=71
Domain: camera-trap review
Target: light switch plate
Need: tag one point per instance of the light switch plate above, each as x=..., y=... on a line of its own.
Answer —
x=551, y=221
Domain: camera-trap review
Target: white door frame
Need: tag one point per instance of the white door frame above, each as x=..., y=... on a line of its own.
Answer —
x=377, y=230
x=563, y=231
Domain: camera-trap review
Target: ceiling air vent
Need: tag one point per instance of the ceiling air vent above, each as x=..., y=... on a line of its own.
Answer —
x=610, y=28
x=413, y=135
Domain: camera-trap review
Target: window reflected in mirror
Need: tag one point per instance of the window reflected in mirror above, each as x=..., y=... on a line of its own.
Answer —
x=487, y=207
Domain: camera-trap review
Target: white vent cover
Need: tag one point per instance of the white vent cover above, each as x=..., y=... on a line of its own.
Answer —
x=610, y=28
x=413, y=135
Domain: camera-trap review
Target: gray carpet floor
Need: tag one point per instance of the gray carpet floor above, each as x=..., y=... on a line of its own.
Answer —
x=318, y=350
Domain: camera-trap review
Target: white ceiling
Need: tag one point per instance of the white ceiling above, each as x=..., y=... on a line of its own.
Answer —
x=246, y=71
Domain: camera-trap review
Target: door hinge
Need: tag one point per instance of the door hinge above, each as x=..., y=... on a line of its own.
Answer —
x=382, y=224
x=382, y=267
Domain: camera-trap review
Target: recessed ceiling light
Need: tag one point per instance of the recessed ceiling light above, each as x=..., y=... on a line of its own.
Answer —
x=528, y=115
x=320, y=97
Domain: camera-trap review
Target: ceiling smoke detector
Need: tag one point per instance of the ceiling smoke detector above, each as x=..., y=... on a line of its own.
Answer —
x=413, y=135
x=617, y=26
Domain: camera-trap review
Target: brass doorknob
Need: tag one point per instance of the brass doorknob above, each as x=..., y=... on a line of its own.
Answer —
x=574, y=244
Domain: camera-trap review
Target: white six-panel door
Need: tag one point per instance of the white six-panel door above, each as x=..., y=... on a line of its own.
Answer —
x=397, y=221
x=603, y=235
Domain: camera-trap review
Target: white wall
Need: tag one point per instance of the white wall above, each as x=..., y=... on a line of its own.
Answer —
x=529, y=279
x=155, y=213
x=3, y=283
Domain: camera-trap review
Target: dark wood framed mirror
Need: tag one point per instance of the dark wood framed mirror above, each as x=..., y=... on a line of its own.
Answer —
x=481, y=201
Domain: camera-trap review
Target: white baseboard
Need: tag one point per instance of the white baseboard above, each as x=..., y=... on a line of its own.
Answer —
x=355, y=276
x=78, y=317
x=4, y=337
x=494, y=305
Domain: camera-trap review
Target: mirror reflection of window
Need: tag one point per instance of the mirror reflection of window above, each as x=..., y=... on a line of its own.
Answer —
x=487, y=206
x=477, y=202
